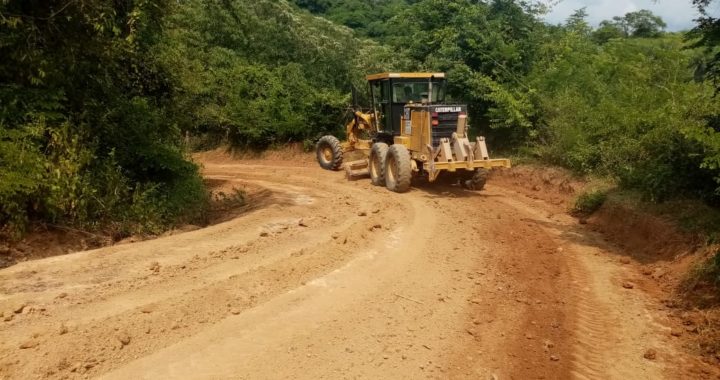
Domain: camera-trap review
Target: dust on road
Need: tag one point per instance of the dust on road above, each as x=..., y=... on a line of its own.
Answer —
x=326, y=278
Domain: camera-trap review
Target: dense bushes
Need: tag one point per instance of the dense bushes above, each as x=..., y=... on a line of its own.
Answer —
x=630, y=109
x=262, y=72
x=85, y=137
x=95, y=96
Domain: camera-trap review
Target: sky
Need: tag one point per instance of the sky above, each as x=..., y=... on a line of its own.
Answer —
x=677, y=14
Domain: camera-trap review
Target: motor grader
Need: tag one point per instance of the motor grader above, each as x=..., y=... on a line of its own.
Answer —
x=410, y=131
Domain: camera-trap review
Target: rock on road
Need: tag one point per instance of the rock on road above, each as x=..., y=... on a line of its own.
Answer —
x=326, y=278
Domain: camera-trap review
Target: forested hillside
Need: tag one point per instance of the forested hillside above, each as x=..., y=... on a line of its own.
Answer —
x=97, y=96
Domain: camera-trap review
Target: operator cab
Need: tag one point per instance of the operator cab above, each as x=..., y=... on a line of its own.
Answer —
x=391, y=92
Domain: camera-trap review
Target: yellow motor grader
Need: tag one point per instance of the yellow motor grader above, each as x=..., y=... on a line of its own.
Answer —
x=410, y=131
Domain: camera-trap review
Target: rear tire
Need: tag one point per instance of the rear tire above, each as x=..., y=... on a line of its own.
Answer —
x=378, y=155
x=329, y=153
x=398, y=170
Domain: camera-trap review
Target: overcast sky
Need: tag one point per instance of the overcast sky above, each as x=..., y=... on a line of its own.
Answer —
x=678, y=14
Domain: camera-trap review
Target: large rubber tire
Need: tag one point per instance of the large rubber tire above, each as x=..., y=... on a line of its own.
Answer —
x=378, y=154
x=329, y=153
x=398, y=170
x=478, y=180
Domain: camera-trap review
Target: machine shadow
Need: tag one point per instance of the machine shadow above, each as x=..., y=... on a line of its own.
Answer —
x=445, y=189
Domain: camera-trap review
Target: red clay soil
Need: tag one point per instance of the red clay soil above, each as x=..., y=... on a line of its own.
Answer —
x=659, y=257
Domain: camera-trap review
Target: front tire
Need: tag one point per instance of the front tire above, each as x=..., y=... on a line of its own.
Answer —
x=378, y=155
x=329, y=153
x=478, y=180
x=398, y=170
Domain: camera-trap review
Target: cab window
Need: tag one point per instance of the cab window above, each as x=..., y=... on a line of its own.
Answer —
x=417, y=92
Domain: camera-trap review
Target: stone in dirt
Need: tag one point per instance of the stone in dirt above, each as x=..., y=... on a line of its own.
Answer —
x=154, y=266
x=29, y=344
x=19, y=308
x=302, y=223
x=658, y=273
x=650, y=354
x=264, y=234
x=362, y=213
x=234, y=311
x=554, y=358
x=625, y=260
x=628, y=285
x=124, y=338
x=676, y=332
x=147, y=309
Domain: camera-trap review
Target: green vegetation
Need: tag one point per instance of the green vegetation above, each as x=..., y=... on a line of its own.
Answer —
x=589, y=202
x=97, y=96
x=85, y=138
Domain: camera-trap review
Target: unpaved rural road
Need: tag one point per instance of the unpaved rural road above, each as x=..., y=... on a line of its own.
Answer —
x=326, y=278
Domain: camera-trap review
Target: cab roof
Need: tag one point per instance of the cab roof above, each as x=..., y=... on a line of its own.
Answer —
x=405, y=76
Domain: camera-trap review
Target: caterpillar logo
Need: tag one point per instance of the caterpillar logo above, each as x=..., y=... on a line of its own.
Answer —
x=447, y=109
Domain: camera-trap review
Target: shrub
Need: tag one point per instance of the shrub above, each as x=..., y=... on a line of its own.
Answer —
x=589, y=202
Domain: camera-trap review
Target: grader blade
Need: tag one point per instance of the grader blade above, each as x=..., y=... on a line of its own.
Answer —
x=357, y=169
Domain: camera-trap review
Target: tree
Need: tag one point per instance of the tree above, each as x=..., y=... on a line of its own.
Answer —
x=644, y=24
x=707, y=35
x=577, y=22
x=606, y=31
x=83, y=131
x=640, y=24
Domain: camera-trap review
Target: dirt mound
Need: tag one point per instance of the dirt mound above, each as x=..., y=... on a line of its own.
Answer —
x=289, y=155
x=641, y=235
x=228, y=200
x=644, y=237
x=554, y=185
x=46, y=240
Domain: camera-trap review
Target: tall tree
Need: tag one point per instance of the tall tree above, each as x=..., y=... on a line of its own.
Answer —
x=640, y=24
x=707, y=35
x=644, y=23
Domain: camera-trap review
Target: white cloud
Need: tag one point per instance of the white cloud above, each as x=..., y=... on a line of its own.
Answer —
x=678, y=14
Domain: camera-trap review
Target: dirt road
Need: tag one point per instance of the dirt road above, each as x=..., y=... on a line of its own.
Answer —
x=325, y=278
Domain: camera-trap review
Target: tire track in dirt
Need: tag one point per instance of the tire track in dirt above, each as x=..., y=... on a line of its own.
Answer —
x=294, y=312
x=162, y=300
x=519, y=300
x=610, y=327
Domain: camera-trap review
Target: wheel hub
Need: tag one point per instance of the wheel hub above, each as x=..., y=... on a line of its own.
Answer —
x=327, y=153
